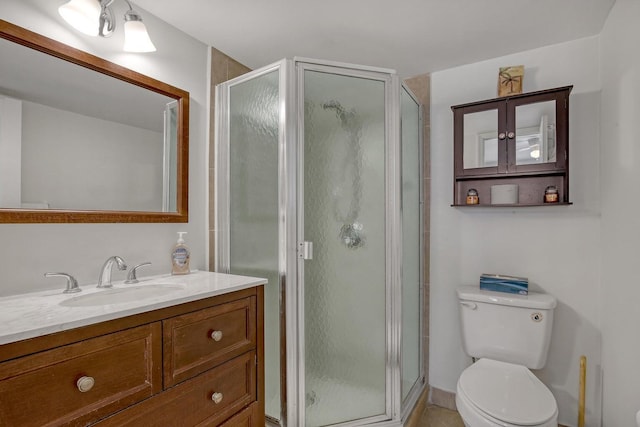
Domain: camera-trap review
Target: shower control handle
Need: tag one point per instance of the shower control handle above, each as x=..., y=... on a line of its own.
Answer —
x=305, y=250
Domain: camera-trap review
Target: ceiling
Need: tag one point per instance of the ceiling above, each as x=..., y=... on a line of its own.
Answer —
x=410, y=36
x=44, y=79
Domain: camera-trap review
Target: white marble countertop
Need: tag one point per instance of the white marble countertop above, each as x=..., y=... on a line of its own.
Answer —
x=40, y=313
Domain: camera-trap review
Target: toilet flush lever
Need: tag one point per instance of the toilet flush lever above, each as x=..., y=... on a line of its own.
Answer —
x=305, y=250
x=471, y=305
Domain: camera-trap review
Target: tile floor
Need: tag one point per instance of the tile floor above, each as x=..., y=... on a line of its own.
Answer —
x=436, y=416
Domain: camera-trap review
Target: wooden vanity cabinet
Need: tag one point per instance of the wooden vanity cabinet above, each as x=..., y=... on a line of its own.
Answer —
x=194, y=364
x=519, y=139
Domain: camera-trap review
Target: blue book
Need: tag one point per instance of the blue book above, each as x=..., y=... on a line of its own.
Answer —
x=502, y=283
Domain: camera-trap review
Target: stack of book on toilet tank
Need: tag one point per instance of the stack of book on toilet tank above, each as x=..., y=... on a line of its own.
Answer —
x=502, y=283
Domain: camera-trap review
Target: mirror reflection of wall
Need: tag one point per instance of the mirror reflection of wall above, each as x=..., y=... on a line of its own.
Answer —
x=10, y=151
x=536, y=133
x=75, y=139
x=170, y=158
x=478, y=128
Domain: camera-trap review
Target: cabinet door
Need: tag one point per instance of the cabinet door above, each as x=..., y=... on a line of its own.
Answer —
x=480, y=138
x=537, y=132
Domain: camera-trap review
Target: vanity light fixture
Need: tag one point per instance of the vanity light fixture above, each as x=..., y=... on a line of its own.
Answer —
x=96, y=18
x=82, y=15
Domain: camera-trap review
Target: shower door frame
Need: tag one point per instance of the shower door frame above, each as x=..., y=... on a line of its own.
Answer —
x=286, y=196
x=291, y=230
x=393, y=238
x=418, y=386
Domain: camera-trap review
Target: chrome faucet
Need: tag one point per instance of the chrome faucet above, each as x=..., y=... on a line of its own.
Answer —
x=104, y=281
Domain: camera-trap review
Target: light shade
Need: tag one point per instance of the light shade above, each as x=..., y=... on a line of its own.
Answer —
x=136, y=38
x=83, y=15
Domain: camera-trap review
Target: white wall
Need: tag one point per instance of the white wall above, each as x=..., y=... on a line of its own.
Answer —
x=556, y=247
x=29, y=250
x=10, y=150
x=620, y=165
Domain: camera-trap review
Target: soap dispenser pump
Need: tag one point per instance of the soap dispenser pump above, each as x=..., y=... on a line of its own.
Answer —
x=180, y=256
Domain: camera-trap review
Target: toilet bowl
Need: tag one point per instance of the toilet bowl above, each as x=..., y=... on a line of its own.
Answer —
x=492, y=393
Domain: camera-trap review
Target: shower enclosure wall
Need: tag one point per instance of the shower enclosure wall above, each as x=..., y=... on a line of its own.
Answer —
x=318, y=189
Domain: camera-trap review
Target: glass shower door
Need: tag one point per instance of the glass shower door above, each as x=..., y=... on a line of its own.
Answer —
x=411, y=244
x=344, y=284
x=252, y=249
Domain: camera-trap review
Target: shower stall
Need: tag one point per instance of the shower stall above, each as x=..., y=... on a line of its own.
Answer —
x=318, y=187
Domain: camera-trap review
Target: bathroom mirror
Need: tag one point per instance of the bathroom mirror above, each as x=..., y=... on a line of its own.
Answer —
x=86, y=140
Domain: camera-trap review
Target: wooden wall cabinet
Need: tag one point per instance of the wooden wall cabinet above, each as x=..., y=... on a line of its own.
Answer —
x=194, y=364
x=520, y=139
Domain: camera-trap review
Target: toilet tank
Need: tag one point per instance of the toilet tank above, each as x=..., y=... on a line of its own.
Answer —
x=506, y=327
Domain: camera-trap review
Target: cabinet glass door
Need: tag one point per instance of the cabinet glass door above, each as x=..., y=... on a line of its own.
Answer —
x=479, y=141
x=535, y=139
x=537, y=132
x=480, y=146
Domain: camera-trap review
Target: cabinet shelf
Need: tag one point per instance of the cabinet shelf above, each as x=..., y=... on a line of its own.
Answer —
x=519, y=205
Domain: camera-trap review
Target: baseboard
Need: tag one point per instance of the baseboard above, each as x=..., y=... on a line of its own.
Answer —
x=442, y=398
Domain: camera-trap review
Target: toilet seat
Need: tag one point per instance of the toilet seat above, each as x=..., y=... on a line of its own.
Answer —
x=507, y=394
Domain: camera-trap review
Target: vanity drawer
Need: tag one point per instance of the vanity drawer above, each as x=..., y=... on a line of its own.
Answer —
x=196, y=342
x=248, y=417
x=43, y=389
x=191, y=403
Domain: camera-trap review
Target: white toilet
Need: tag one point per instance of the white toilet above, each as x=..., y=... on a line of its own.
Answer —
x=507, y=334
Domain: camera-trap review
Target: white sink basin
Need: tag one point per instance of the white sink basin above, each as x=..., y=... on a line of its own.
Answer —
x=123, y=294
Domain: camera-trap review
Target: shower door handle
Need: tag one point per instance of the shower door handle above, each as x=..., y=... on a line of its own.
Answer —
x=305, y=250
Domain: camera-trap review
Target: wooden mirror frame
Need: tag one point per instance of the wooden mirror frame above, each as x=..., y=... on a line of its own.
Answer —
x=64, y=52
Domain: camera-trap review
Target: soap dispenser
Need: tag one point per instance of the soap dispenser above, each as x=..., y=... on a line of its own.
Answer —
x=180, y=256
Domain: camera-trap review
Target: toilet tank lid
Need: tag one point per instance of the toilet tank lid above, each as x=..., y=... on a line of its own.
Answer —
x=532, y=300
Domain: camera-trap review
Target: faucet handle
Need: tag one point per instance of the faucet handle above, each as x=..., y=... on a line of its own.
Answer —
x=131, y=276
x=72, y=283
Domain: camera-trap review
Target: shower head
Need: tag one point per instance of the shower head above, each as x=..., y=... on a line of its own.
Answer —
x=346, y=117
x=335, y=105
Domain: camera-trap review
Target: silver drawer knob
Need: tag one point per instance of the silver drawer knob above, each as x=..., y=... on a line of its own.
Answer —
x=217, y=397
x=216, y=335
x=85, y=384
